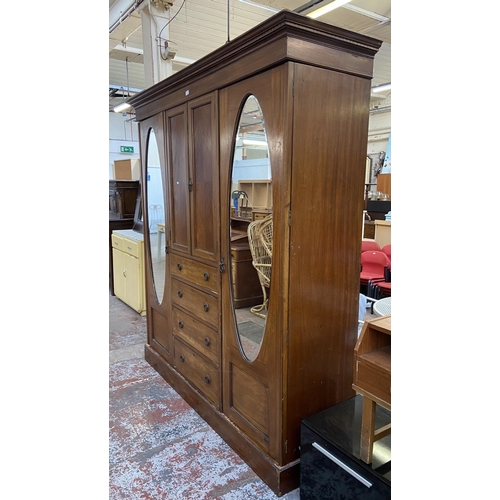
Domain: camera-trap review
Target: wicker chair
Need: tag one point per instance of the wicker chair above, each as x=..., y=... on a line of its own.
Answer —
x=260, y=238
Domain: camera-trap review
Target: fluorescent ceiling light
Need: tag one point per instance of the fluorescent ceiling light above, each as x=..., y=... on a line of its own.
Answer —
x=381, y=88
x=251, y=142
x=255, y=4
x=121, y=107
x=327, y=8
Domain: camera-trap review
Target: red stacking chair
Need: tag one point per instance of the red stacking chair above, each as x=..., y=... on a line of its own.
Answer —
x=369, y=245
x=373, y=267
x=387, y=250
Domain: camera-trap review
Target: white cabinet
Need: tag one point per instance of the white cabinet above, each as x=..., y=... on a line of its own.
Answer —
x=128, y=268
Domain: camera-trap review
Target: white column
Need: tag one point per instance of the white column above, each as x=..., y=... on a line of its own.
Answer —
x=155, y=14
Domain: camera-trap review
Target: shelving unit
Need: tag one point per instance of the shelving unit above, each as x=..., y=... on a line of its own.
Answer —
x=259, y=193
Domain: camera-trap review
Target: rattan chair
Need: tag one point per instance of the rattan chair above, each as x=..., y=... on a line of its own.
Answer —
x=260, y=239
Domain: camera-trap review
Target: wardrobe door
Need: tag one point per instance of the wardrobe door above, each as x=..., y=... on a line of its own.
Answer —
x=252, y=383
x=177, y=157
x=156, y=227
x=204, y=176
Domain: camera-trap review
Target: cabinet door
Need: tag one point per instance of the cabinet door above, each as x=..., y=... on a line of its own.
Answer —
x=177, y=147
x=118, y=277
x=133, y=288
x=204, y=176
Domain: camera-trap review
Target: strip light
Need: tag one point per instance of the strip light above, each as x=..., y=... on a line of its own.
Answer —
x=121, y=107
x=381, y=88
x=327, y=8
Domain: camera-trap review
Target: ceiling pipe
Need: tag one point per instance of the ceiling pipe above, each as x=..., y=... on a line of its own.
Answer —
x=124, y=14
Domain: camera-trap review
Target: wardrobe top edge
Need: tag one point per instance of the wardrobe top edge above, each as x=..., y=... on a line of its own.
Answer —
x=284, y=24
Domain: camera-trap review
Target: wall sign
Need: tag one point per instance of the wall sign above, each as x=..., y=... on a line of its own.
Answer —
x=127, y=149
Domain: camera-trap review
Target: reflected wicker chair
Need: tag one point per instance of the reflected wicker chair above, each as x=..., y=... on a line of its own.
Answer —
x=260, y=239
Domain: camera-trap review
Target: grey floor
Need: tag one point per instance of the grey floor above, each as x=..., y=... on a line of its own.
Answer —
x=159, y=447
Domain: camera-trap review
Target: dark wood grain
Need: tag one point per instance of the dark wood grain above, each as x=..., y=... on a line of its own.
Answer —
x=312, y=82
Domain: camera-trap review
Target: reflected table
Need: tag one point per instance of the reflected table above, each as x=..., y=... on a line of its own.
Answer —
x=161, y=230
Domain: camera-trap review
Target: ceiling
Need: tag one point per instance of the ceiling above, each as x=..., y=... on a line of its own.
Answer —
x=198, y=27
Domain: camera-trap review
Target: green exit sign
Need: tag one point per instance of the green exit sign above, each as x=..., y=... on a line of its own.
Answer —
x=126, y=149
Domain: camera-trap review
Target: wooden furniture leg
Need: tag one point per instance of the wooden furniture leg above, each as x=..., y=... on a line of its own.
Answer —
x=367, y=430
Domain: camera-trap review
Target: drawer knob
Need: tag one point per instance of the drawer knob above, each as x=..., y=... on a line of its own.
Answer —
x=207, y=379
x=181, y=357
x=205, y=307
x=206, y=276
x=179, y=293
x=179, y=266
x=207, y=341
x=181, y=324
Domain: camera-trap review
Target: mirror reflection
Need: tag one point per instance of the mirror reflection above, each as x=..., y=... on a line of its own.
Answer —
x=251, y=228
x=156, y=216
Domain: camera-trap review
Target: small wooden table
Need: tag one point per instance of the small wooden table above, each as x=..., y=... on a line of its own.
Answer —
x=161, y=230
x=372, y=379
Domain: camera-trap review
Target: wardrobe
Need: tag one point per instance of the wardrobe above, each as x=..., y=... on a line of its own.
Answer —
x=297, y=91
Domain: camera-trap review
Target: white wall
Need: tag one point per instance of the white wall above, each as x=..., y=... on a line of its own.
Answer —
x=122, y=133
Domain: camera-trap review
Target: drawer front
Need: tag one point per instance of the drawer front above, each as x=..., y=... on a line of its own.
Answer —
x=373, y=380
x=117, y=241
x=203, y=305
x=131, y=247
x=195, y=272
x=196, y=334
x=328, y=474
x=203, y=374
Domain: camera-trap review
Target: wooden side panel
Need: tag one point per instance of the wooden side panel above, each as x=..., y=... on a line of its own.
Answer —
x=177, y=147
x=249, y=397
x=331, y=112
x=161, y=335
x=204, y=176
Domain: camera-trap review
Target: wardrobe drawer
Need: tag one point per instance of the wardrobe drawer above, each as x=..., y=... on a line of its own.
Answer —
x=203, y=305
x=195, y=272
x=198, y=370
x=196, y=334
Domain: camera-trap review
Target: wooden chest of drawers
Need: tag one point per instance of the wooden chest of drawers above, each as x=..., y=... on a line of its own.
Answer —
x=195, y=325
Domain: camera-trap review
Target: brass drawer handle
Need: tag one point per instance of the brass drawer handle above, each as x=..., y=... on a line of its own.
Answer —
x=207, y=341
x=179, y=266
x=181, y=324
x=206, y=276
x=179, y=293
x=207, y=379
x=205, y=307
x=181, y=357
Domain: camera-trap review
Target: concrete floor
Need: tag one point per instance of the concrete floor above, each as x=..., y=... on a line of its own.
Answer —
x=159, y=448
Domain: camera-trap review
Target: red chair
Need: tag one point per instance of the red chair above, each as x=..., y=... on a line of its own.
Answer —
x=387, y=250
x=369, y=245
x=374, y=265
x=378, y=289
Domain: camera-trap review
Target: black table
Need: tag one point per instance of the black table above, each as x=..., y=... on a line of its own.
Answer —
x=330, y=467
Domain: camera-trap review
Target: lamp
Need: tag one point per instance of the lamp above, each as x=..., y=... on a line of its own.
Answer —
x=327, y=8
x=382, y=87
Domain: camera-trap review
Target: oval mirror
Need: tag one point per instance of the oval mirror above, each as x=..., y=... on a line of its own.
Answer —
x=156, y=216
x=251, y=228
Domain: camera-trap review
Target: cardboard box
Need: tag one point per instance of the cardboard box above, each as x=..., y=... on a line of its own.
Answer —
x=128, y=170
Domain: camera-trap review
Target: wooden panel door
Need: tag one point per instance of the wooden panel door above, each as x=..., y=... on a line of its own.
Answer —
x=252, y=390
x=177, y=160
x=204, y=176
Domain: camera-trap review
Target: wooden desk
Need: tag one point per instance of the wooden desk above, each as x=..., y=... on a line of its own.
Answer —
x=372, y=379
